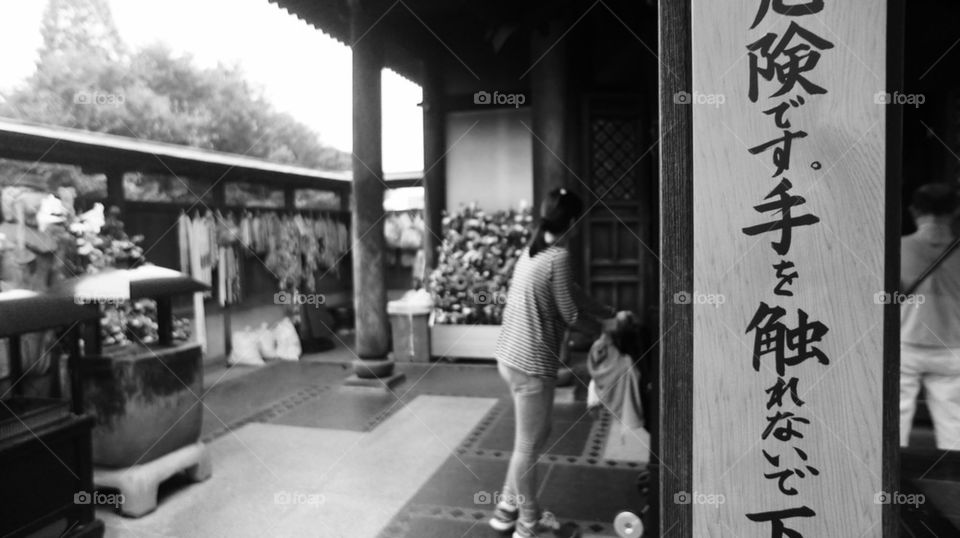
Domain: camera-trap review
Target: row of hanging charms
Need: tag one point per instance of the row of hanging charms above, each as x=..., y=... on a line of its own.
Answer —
x=293, y=247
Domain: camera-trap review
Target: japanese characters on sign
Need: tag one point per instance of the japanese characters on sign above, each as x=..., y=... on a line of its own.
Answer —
x=782, y=79
x=789, y=209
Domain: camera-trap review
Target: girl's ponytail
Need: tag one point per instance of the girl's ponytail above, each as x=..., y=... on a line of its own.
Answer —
x=538, y=242
x=558, y=212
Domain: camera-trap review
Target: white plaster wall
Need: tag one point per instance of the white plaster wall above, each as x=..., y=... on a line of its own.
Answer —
x=490, y=158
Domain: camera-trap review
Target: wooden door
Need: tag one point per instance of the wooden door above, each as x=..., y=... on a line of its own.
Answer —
x=617, y=235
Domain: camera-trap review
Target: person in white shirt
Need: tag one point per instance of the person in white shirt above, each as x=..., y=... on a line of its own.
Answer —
x=930, y=317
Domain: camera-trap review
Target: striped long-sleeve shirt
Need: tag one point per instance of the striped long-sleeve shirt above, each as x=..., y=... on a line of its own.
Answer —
x=539, y=305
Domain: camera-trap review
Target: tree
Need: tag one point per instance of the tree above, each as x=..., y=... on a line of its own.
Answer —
x=87, y=79
x=84, y=26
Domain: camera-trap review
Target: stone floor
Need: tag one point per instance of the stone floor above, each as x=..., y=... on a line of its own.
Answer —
x=297, y=453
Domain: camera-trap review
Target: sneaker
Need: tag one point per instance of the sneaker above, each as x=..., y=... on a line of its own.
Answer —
x=504, y=518
x=547, y=527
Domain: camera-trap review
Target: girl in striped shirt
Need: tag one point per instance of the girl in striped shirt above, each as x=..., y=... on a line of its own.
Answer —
x=542, y=301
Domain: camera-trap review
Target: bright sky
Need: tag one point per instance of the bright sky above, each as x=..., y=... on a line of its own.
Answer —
x=302, y=71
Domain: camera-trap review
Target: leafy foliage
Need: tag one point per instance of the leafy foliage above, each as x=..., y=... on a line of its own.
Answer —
x=86, y=78
x=475, y=263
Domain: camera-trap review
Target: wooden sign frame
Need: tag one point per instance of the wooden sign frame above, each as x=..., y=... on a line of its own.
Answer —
x=675, y=451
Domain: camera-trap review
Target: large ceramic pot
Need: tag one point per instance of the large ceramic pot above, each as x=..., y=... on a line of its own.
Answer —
x=144, y=400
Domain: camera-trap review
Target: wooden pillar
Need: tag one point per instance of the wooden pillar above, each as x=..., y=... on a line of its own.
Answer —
x=369, y=275
x=219, y=194
x=434, y=165
x=74, y=335
x=115, y=192
x=548, y=85
x=15, y=363
x=779, y=255
x=346, y=200
x=165, y=321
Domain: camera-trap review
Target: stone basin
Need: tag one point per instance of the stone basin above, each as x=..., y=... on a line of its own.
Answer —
x=144, y=399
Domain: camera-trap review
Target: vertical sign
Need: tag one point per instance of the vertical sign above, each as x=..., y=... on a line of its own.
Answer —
x=789, y=135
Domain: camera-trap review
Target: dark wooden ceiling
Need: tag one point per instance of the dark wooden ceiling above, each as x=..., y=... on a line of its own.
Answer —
x=473, y=44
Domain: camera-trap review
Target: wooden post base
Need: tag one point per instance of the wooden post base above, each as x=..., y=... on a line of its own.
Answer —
x=374, y=374
x=138, y=484
x=377, y=383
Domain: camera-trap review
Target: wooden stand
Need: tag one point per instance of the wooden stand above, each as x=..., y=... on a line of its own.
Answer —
x=46, y=483
x=138, y=484
x=464, y=341
x=45, y=479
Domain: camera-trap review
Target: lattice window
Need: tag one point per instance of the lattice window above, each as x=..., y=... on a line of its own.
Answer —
x=614, y=154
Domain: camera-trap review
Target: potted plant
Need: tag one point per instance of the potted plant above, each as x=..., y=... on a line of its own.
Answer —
x=470, y=283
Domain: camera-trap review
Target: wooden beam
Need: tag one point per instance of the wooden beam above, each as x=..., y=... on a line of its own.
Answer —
x=96, y=152
x=891, y=474
x=675, y=454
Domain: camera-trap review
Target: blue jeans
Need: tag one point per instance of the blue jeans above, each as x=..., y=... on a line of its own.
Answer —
x=533, y=406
